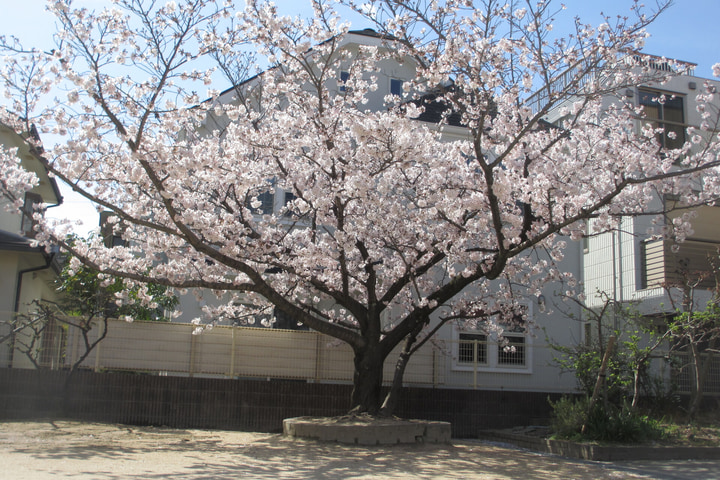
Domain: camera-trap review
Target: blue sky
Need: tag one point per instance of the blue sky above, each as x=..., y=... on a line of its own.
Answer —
x=689, y=30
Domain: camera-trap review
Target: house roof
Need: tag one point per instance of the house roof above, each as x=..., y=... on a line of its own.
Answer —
x=367, y=32
x=435, y=110
x=14, y=242
x=37, y=163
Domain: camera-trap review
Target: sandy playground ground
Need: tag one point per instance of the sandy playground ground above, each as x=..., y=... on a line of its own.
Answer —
x=69, y=449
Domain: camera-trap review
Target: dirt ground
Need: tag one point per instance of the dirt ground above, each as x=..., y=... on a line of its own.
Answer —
x=68, y=449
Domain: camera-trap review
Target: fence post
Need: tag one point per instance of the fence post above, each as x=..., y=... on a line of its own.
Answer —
x=475, y=364
x=193, y=339
x=232, y=353
x=75, y=345
x=98, y=349
x=317, y=357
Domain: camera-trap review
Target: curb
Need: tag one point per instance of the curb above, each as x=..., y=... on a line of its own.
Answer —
x=584, y=451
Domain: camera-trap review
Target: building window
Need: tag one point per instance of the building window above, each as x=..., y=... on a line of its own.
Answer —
x=344, y=77
x=513, y=353
x=472, y=349
x=111, y=231
x=396, y=87
x=28, y=210
x=265, y=204
x=588, y=334
x=283, y=321
x=665, y=111
x=289, y=197
x=266, y=199
x=479, y=350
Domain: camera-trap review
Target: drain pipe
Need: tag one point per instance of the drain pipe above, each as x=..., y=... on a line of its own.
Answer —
x=615, y=279
x=18, y=291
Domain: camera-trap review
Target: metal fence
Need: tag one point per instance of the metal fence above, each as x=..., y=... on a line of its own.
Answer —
x=685, y=375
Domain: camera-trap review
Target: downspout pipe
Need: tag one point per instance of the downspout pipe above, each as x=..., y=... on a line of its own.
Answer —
x=48, y=256
x=18, y=290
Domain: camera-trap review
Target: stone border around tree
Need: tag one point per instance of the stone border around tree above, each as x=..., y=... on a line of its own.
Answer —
x=365, y=430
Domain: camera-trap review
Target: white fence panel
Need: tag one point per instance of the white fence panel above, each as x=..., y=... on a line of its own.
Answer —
x=171, y=348
x=143, y=346
x=274, y=353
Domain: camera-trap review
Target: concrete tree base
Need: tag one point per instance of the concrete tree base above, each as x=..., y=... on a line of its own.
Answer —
x=366, y=430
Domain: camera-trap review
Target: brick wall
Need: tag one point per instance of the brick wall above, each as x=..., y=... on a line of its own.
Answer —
x=185, y=402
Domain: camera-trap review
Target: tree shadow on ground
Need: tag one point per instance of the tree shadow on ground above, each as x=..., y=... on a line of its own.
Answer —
x=118, y=451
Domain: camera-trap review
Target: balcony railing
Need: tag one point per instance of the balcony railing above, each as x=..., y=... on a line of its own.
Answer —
x=663, y=64
x=580, y=76
x=670, y=264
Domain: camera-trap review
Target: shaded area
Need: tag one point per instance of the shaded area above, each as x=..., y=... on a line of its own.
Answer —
x=62, y=448
x=243, y=404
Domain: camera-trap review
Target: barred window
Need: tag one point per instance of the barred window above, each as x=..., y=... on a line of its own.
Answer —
x=472, y=348
x=513, y=353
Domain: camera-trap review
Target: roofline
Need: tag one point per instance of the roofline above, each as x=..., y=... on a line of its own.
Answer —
x=51, y=179
x=22, y=244
x=366, y=32
x=36, y=152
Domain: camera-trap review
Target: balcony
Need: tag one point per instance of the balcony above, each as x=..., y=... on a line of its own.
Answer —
x=580, y=75
x=666, y=263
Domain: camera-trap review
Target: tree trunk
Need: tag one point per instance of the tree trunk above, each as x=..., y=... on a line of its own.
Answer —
x=636, y=388
x=640, y=368
x=697, y=393
x=391, y=400
x=367, y=381
x=600, y=380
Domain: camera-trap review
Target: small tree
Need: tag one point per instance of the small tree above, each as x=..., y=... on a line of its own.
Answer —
x=87, y=300
x=611, y=366
x=627, y=373
x=25, y=332
x=87, y=294
x=389, y=227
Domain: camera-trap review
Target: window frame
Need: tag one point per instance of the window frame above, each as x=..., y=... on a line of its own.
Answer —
x=266, y=198
x=400, y=83
x=342, y=81
x=479, y=348
x=27, y=212
x=505, y=353
x=493, y=351
x=661, y=121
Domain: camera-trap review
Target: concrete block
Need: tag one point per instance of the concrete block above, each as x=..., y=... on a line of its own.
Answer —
x=365, y=430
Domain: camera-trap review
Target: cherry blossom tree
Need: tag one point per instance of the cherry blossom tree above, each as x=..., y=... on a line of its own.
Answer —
x=389, y=228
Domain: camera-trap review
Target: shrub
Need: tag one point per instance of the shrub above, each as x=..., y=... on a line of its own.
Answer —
x=568, y=416
x=604, y=424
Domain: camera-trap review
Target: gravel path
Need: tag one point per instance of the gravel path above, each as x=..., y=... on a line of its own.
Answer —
x=68, y=449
